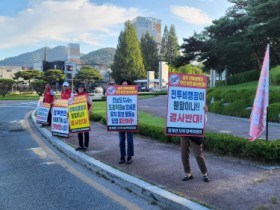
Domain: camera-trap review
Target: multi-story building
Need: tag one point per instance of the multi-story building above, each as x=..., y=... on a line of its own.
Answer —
x=147, y=24
x=74, y=53
x=8, y=72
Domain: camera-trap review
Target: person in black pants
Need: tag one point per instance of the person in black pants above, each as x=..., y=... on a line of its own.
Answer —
x=123, y=137
x=84, y=136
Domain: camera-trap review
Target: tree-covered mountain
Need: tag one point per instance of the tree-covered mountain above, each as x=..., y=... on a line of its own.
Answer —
x=102, y=56
x=27, y=59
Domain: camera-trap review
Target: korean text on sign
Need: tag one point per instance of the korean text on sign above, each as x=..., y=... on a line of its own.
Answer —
x=186, y=100
x=122, y=108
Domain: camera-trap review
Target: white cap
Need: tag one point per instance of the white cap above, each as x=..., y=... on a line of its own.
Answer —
x=65, y=84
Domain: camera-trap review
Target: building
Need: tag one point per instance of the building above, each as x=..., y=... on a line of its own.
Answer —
x=74, y=53
x=8, y=72
x=147, y=24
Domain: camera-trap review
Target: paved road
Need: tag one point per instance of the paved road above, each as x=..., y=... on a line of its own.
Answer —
x=215, y=124
x=35, y=176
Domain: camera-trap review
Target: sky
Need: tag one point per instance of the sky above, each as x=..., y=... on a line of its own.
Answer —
x=27, y=25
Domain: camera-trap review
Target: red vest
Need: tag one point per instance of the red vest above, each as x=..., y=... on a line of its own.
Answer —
x=66, y=94
x=48, y=98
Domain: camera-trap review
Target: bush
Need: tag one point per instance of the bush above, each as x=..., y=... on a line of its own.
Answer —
x=274, y=112
x=39, y=86
x=221, y=144
x=243, y=77
x=220, y=83
x=259, y=150
x=5, y=86
x=237, y=103
x=275, y=76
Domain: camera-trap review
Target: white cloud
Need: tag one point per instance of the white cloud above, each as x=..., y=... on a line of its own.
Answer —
x=191, y=15
x=64, y=21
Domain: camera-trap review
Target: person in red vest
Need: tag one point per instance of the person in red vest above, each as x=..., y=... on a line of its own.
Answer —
x=66, y=93
x=49, y=97
x=84, y=136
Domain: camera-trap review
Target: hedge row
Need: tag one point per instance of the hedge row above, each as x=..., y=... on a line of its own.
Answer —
x=221, y=144
x=239, y=102
x=243, y=77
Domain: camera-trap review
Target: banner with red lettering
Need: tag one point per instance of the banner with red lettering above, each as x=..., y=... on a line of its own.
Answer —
x=121, y=107
x=185, y=104
x=259, y=110
x=78, y=115
x=43, y=112
x=60, y=123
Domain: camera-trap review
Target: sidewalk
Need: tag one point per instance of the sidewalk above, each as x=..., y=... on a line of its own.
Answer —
x=234, y=183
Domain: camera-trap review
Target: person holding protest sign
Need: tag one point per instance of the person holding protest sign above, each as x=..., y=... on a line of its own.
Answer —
x=84, y=136
x=129, y=138
x=193, y=143
x=66, y=93
x=49, y=97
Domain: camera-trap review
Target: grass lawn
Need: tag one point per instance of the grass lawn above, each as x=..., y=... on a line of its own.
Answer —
x=99, y=107
x=20, y=97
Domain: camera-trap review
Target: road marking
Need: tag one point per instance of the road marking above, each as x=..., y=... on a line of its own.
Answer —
x=48, y=163
x=39, y=151
x=75, y=172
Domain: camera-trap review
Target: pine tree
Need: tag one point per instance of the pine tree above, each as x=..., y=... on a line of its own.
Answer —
x=164, y=41
x=172, y=45
x=128, y=61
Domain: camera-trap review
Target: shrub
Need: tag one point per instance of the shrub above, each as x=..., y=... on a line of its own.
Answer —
x=221, y=144
x=220, y=83
x=39, y=86
x=274, y=96
x=5, y=86
x=275, y=76
x=259, y=150
x=274, y=112
x=216, y=107
x=243, y=77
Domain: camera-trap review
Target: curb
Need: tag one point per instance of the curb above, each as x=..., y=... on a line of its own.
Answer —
x=149, y=192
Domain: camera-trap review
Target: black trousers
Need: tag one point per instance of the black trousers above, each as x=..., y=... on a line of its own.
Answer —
x=83, y=139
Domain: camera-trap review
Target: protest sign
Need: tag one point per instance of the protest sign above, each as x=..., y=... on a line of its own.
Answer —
x=60, y=123
x=121, y=107
x=185, y=108
x=78, y=115
x=43, y=112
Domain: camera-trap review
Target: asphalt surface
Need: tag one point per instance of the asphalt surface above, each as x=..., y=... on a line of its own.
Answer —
x=34, y=178
x=234, y=183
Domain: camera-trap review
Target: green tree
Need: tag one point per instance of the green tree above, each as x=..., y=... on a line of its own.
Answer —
x=264, y=28
x=39, y=86
x=149, y=53
x=128, y=61
x=88, y=75
x=172, y=45
x=5, y=86
x=28, y=75
x=53, y=75
x=164, y=43
x=189, y=69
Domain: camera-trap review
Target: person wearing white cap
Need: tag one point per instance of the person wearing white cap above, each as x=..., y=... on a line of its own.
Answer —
x=66, y=93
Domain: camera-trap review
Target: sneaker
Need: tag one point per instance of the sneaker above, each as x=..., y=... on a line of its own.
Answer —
x=85, y=148
x=206, y=178
x=129, y=160
x=186, y=178
x=122, y=160
x=79, y=148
